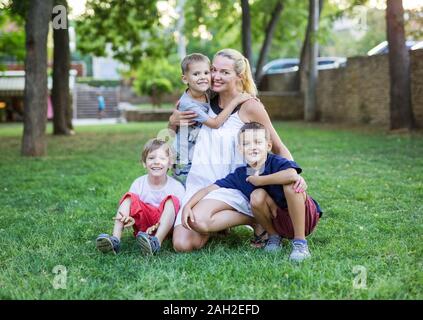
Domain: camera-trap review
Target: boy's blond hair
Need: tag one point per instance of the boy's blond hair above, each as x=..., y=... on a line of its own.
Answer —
x=154, y=144
x=193, y=57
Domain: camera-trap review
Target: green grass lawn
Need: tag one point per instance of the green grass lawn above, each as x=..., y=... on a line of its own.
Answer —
x=368, y=183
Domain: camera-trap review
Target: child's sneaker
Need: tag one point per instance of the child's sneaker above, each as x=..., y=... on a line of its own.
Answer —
x=299, y=250
x=273, y=243
x=148, y=244
x=106, y=243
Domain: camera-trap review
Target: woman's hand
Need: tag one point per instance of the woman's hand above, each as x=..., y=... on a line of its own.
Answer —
x=187, y=214
x=182, y=117
x=300, y=185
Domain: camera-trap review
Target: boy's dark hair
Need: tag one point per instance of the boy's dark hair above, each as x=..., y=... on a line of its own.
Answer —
x=154, y=144
x=193, y=57
x=253, y=126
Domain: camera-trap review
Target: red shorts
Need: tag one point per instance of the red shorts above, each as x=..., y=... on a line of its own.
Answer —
x=145, y=214
x=283, y=224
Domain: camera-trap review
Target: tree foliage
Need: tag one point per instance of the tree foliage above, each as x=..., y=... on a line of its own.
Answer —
x=12, y=36
x=157, y=76
x=131, y=27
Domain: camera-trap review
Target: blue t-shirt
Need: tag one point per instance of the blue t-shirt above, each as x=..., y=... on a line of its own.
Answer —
x=101, y=102
x=274, y=163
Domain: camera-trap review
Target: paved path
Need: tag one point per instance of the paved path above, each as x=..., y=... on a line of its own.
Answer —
x=84, y=122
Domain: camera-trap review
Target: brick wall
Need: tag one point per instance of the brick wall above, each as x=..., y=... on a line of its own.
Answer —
x=283, y=105
x=417, y=85
x=358, y=93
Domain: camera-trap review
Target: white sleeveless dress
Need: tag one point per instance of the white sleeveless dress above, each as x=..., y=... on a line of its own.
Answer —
x=215, y=156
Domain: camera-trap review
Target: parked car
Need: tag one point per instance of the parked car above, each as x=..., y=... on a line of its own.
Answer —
x=291, y=64
x=382, y=48
x=281, y=66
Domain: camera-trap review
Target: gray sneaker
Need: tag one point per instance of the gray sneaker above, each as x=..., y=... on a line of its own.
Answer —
x=148, y=244
x=273, y=243
x=106, y=243
x=299, y=251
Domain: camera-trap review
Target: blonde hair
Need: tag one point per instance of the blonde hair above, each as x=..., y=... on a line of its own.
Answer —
x=242, y=69
x=154, y=144
x=193, y=57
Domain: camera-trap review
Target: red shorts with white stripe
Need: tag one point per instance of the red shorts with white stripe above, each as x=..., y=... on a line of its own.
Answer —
x=145, y=214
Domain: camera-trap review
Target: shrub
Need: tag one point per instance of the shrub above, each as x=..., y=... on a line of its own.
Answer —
x=156, y=77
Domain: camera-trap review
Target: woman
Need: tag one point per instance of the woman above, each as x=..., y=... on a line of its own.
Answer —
x=215, y=153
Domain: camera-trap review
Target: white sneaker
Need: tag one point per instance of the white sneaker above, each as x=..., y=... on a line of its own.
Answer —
x=299, y=251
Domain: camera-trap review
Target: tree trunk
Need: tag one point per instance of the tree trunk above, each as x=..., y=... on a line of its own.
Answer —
x=310, y=104
x=303, y=69
x=180, y=24
x=399, y=68
x=270, y=29
x=36, y=91
x=60, y=90
x=246, y=31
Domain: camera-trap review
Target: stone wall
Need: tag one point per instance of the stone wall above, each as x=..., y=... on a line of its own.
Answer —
x=417, y=86
x=283, y=105
x=356, y=94
x=147, y=115
x=278, y=82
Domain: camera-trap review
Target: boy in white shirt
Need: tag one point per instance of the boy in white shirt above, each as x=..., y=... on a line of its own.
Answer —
x=150, y=205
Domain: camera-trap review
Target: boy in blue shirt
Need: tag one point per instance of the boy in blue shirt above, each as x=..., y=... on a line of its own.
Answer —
x=268, y=181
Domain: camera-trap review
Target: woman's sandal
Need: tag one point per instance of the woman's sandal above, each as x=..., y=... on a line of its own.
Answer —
x=259, y=241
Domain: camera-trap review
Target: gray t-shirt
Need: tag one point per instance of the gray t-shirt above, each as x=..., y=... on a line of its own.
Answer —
x=187, y=103
x=185, y=139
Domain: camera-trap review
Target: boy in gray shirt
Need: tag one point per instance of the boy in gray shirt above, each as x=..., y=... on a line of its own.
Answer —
x=196, y=75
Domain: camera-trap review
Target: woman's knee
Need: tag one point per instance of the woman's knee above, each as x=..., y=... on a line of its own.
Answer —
x=184, y=240
x=200, y=224
x=258, y=198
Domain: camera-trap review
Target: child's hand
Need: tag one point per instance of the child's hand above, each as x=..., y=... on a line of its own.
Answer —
x=300, y=185
x=255, y=180
x=153, y=228
x=241, y=98
x=187, y=214
x=126, y=220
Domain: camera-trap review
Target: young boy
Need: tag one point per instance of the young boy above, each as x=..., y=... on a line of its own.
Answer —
x=150, y=205
x=196, y=75
x=268, y=181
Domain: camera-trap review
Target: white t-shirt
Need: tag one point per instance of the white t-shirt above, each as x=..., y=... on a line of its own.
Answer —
x=142, y=188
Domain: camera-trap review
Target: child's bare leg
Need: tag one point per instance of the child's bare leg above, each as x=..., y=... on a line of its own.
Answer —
x=261, y=205
x=166, y=221
x=123, y=211
x=296, y=209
